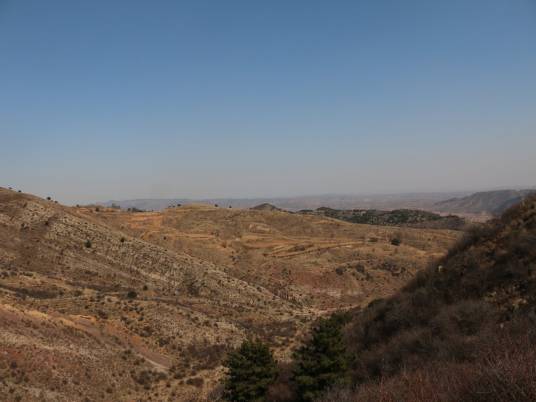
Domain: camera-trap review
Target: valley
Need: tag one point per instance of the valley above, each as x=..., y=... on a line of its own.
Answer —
x=106, y=304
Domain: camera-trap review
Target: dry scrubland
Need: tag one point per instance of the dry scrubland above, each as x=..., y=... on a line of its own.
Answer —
x=462, y=330
x=112, y=305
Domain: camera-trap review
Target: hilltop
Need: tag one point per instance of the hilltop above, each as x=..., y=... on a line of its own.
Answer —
x=265, y=207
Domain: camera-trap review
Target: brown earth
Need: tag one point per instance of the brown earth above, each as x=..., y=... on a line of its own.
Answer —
x=113, y=305
x=310, y=260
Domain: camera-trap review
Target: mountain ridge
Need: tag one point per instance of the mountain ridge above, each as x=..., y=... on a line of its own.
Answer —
x=485, y=202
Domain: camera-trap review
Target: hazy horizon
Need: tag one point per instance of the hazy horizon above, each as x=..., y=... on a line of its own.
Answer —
x=112, y=101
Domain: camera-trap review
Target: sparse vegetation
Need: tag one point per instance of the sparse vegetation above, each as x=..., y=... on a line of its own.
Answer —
x=173, y=302
x=397, y=217
x=460, y=331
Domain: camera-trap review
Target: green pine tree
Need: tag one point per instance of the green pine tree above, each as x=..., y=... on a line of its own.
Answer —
x=322, y=362
x=250, y=371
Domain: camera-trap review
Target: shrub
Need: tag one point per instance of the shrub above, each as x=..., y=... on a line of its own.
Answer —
x=195, y=381
x=251, y=369
x=504, y=370
x=88, y=244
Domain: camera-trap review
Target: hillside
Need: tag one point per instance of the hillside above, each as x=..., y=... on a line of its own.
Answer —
x=106, y=304
x=398, y=217
x=87, y=311
x=462, y=330
x=310, y=260
x=488, y=202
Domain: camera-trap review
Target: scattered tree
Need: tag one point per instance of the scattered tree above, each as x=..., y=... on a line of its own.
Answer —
x=323, y=361
x=251, y=369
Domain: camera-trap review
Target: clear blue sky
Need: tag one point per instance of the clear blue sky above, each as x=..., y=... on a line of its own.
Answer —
x=120, y=99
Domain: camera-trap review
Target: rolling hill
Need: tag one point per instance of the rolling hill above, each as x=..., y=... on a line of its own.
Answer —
x=104, y=304
x=87, y=311
x=311, y=260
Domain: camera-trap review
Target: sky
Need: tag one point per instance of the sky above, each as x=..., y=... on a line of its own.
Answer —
x=128, y=99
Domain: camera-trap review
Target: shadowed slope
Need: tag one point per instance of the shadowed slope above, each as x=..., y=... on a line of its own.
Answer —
x=463, y=330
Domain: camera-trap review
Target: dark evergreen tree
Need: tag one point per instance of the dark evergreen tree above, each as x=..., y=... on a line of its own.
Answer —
x=322, y=362
x=251, y=369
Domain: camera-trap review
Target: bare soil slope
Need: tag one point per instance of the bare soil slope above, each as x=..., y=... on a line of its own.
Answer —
x=311, y=260
x=88, y=311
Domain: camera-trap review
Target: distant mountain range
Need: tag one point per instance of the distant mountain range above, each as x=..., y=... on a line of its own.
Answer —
x=485, y=203
x=338, y=201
